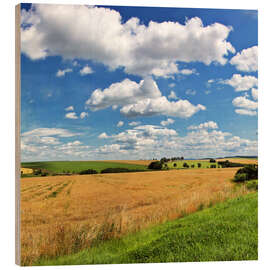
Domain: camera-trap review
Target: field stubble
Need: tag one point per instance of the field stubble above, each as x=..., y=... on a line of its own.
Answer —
x=62, y=215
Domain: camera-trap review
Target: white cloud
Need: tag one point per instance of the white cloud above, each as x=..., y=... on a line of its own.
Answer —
x=62, y=73
x=246, y=112
x=120, y=124
x=241, y=83
x=211, y=81
x=167, y=122
x=70, y=108
x=102, y=36
x=254, y=93
x=246, y=60
x=125, y=92
x=161, y=106
x=172, y=95
x=190, y=92
x=134, y=123
x=172, y=85
x=206, y=125
x=71, y=115
x=207, y=92
x=188, y=71
x=245, y=103
x=103, y=136
x=86, y=70
x=140, y=99
x=43, y=132
x=83, y=115
x=154, y=141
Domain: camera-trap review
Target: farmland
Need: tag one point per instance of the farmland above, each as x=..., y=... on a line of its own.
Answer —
x=228, y=231
x=77, y=166
x=62, y=215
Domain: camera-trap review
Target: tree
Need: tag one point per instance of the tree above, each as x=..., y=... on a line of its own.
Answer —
x=174, y=165
x=192, y=165
x=155, y=165
x=182, y=158
x=212, y=160
x=199, y=165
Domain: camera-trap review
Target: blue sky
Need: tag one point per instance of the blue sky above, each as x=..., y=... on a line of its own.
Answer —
x=136, y=82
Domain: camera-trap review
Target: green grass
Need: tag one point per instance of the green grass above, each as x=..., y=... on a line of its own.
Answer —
x=77, y=166
x=179, y=164
x=225, y=232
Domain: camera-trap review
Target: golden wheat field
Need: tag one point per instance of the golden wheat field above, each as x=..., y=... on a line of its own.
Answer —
x=63, y=214
x=26, y=170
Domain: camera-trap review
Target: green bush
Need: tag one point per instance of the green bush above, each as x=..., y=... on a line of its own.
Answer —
x=199, y=165
x=88, y=171
x=240, y=177
x=155, y=165
x=253, y=184
x=250, y=170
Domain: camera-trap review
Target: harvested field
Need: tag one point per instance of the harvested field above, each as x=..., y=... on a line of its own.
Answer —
x=26, y=170
x=61, y=215
x=241, y=160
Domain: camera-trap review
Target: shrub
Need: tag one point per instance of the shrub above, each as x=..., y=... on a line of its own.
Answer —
x=192, y=166
x=44, y=173
x=199, y=165
x=88, y=171
x=155, y=165
x=37, y=171
x=240, y=177
x=213, y=166
x=253, y=184
x=174, y=165
x=185, y=165
x=250, y=170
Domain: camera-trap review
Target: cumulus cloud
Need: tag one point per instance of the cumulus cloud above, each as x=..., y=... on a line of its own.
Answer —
x=246, y=60
x=62, y=73
x=140, y=99
x=254, y=93
x=206, y=125
x=245, y=103
x=187, y=71
x=103, y=136
x=83, y=115
x=155, y=141
x=70, y=108
x=241, y=83
x=172, y=95
x=246, y=112
x=167, y=122
x=120, y=124
x=161, y=106
x=86, y=70
x=125, y=92
x=134, y=123
x=71, y=115
x=172, y=85
x=102, y=36
x=190, y=92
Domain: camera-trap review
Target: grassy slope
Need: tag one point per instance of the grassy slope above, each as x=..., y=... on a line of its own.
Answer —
x=77, y=166
x=204, y=164
x=227, y=231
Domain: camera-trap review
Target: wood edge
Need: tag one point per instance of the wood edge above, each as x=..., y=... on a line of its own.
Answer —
x=17, y=131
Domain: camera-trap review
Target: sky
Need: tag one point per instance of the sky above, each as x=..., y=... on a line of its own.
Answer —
x=112, y=82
